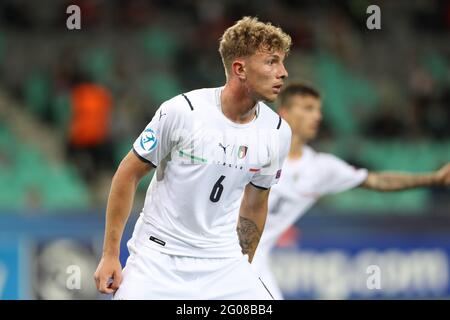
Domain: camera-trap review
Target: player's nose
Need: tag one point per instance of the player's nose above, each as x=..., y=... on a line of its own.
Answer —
x=283, y=72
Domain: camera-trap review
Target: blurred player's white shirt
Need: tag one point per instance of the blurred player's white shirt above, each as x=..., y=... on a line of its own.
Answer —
x=204, y=161
x=303, y=182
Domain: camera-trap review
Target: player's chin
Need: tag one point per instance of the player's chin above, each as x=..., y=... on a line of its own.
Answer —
x=270, y=97
x=312, y=134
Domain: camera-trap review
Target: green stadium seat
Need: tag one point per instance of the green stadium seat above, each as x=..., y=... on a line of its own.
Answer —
x=31, y=181
x=98, y=63
x=343, y=92
x=160, y=86
x=37, y=94
x=12, y=194
x=61, y=112
x=158, y=43
x=121, y=149
x=64, y=190
x=438, y=66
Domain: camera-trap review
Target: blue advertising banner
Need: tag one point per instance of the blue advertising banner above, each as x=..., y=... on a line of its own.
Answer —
x=50, y=257
x=364, y=266
x=9, y=269
x=54, y=257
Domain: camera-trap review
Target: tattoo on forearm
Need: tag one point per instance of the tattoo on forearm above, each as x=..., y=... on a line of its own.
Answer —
x=249, y=236
x=392, y=182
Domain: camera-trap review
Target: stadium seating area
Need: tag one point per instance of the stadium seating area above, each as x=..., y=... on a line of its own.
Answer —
x=386, y=93
x=29, y=181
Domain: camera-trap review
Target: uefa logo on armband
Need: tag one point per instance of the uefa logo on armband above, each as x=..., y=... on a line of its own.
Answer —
x=148, y=140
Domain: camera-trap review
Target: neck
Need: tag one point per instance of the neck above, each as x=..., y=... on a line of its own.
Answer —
x=296, y=147
x=236, y=103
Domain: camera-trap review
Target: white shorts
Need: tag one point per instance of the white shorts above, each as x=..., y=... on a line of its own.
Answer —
x=151, y=274
x=261, y=266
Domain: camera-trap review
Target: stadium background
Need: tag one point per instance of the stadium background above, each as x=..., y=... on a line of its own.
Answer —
x=386, y=107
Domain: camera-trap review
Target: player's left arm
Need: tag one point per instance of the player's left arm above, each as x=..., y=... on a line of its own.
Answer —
x=395, y=181
x=252, y=217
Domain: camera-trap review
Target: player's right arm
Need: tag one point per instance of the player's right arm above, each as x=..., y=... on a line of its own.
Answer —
x=153, y=145
x=339, y=176
x=124, y=183
x=395, y=181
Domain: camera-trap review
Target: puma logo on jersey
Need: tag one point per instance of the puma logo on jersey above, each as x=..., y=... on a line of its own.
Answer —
x=224, y=147
x=161, y=114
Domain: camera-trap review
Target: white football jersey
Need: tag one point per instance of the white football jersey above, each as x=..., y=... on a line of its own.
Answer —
x=303, y=182
x=204, y=161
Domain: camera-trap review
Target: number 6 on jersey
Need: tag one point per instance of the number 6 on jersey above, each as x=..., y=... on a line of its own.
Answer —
x=216, y=191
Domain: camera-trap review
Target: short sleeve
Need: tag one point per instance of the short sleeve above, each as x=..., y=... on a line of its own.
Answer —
x=158, y=137
x=279, y=145
x=338, y=175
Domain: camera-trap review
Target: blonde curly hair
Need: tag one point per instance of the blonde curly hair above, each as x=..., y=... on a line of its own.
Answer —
x=250, y=35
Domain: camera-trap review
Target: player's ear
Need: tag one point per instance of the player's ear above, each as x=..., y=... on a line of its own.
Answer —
x=238, y=69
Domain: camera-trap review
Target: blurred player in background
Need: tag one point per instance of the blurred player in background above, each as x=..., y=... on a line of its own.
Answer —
x=209, y=146
x=309, y=175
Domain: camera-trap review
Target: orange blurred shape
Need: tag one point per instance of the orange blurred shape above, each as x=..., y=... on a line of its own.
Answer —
x=91, y=112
